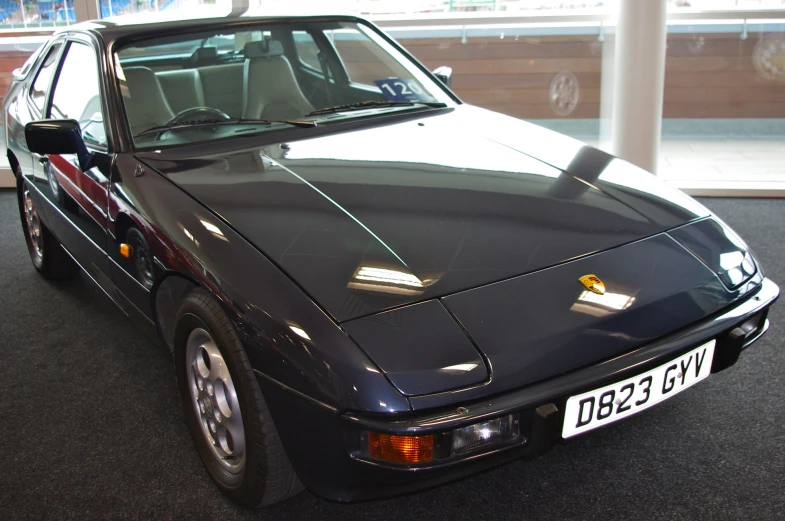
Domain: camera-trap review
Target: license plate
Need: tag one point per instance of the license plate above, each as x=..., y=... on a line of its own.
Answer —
x=599, y=407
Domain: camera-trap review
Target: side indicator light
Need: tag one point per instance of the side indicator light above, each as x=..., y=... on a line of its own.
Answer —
x=400, y=449
x=126, y=250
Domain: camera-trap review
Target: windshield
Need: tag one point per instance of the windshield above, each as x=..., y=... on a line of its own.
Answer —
x=262, y=78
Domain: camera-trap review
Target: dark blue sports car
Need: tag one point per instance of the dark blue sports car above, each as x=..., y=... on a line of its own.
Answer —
x=367, y=287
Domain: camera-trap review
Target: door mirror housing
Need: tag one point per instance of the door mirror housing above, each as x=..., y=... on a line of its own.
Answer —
x=58, y=136
x=444, y=74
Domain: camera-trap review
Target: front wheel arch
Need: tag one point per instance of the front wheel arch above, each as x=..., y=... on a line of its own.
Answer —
x=121, y=225
x=266, y=475
x=14, y=163
x=167, y=295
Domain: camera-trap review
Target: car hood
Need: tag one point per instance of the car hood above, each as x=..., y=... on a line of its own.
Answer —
x=387, y=215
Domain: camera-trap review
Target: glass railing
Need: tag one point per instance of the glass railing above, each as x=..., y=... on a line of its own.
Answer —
x=724, y=105
x=724, y=100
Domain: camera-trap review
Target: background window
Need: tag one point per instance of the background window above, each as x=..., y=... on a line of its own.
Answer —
x=41, y=83
x=15, y=14
x=77, y=93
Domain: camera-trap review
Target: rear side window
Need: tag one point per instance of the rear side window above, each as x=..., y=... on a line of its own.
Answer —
x=44, y=77
x=77, y=93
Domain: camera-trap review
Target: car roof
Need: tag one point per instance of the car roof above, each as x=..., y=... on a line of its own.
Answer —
x=142, y=24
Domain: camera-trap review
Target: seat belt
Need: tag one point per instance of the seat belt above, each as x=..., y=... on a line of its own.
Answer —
x=326, y=73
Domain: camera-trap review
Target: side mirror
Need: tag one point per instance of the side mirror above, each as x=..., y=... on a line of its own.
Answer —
x=57, y=136
x=444, y=74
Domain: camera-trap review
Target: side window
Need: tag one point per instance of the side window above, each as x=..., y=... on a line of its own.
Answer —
x=41, y=83
x=77, y=93
x=307, y=50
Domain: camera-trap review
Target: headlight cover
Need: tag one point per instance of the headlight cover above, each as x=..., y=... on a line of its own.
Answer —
x=491, y=432
x=720, y=249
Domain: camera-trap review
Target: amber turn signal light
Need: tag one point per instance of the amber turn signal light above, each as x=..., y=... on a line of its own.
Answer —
x=126, y=250
x=400, y=449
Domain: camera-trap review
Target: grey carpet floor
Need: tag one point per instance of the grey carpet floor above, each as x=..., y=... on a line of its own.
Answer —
x=91, y=426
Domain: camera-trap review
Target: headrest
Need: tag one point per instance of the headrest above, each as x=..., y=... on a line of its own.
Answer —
x=202, y=56
x=263, y=49
x=139, y=76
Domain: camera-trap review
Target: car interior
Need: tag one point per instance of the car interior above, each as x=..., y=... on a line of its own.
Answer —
x=154, y=98
x=262, y=76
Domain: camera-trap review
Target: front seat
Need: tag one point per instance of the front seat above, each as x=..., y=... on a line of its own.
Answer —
x=145, y=102
x=271, y=90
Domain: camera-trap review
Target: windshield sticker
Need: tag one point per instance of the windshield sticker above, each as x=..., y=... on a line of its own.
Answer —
x=396, y=89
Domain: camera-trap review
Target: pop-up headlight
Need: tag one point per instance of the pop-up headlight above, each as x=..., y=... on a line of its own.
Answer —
x=720, y=249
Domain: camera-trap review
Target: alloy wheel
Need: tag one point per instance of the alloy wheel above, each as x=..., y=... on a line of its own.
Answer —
x=33, y=226
x=215, y=400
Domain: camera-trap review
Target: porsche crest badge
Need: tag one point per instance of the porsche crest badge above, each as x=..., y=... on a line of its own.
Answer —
x=593, y=284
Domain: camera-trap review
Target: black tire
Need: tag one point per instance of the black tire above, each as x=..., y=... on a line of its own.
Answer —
x=267, y=476
x=49, y=258
x=141, y=258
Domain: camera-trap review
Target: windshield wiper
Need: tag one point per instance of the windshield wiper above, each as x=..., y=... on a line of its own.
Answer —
x=370, y=104
x=302, y=123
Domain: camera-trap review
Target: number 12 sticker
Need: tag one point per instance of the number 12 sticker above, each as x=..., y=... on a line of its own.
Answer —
x=396, y=89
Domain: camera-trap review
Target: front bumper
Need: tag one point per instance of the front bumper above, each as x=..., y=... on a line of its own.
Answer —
x=338, y=470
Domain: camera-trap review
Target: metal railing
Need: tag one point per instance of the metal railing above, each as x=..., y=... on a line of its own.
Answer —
x=481, y=19
x=467, y=25
x=566, y=17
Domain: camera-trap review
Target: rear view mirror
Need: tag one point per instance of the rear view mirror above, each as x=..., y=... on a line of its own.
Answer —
x=57, y=136
x=444, y=74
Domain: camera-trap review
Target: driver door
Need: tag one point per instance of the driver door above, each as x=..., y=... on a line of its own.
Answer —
x=79, y=197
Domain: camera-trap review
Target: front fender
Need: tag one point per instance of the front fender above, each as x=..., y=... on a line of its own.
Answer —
x=289, y=339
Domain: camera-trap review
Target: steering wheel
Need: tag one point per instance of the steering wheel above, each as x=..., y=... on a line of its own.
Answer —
x=194, y=114
x=198, y=114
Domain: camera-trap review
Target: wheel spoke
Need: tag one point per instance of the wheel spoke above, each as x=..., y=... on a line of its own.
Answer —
x=215, y=400
x=217, y=365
